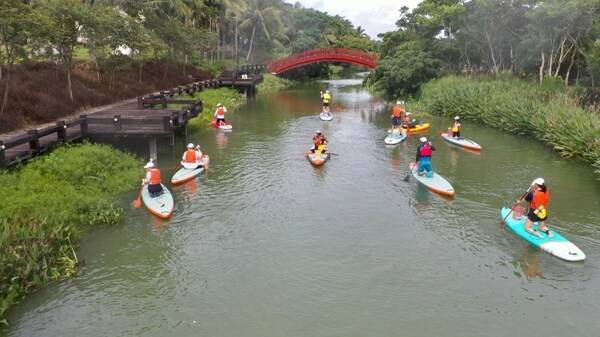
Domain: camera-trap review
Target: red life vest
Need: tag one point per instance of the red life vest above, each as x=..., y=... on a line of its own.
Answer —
x=190, y=156
x=539, y=199
x=425, y=151
x=220, y=112
x=154, y=176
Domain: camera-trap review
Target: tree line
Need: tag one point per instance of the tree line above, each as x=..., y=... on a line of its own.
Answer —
x=529, y=38
x=115, y=34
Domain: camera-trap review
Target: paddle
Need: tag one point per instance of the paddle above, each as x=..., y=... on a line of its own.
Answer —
x=408, y=175
x=514, y=205
x=137, y=203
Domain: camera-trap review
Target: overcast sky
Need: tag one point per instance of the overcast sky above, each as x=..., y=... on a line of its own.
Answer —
x=375, y=16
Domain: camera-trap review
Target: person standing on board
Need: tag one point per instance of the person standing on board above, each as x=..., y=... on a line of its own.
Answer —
x=192, y=156
x=152, y=179
x=397, y=114
x=326, y=97
x=220, y=114
x=538, y=198
x=424, y=152
x=456, y=127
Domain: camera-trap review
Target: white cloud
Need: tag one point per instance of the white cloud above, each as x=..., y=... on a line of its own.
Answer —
x=375, y=16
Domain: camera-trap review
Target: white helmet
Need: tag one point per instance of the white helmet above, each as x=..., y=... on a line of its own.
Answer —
x=423, y=140
x=190, y=146
x=538, y=181
x=327, y=91
x=399, y=102
x=150, y=164
x=409, y=113
x=456, y=118
x=318, y=131
x=219, y=104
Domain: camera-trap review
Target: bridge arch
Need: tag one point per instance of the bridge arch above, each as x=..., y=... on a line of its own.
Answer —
x=352, y=56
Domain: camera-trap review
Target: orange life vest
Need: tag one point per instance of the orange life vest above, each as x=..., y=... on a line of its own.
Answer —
x=397, y=111
x=539, y=199
x=155, y=176
x=220, y=111
x=190, y=156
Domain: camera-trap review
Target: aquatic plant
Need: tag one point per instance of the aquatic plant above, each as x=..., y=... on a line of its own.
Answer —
x=47, y=204
x=547, y=113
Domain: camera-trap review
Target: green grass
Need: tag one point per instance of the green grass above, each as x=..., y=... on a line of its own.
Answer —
x=272, y=83
x=81, y=54
x=47, y=204
x=545, y=112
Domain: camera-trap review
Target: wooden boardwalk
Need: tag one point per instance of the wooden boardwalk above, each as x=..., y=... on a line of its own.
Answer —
x=152, y=116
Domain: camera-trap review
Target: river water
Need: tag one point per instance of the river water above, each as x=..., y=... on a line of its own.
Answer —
x=266, y=245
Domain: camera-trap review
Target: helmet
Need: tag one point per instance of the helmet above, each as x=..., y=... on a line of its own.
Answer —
x=423, y=140
x=150, y=164
x=538, y=181
x=456, y=118
x=318, y=132
x=190, y=146
x=409, y=113
x=219, y=104
x=327, y=91
x=399, y=102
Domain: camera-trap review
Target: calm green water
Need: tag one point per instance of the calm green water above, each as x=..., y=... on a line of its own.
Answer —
x=267, y=245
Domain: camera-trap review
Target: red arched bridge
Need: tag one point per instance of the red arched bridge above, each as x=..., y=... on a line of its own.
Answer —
x=344, y=55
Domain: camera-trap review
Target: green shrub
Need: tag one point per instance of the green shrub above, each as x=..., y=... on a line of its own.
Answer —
x=273, y=83
x=45, y=206
x=545, y=112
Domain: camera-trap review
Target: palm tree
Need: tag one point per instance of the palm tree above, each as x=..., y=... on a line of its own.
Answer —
x=267, y=16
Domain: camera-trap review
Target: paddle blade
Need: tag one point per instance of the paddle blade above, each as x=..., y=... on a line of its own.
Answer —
x=137, y=203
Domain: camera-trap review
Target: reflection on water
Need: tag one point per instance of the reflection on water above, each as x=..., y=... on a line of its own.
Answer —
x=265, y=244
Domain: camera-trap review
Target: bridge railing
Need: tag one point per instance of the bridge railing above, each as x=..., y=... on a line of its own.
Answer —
x=341, y=54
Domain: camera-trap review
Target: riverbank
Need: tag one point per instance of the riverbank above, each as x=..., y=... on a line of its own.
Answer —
x=272, y=83
x=47, y=204
x=546, y=113
x=230, y=98
x=37, y=92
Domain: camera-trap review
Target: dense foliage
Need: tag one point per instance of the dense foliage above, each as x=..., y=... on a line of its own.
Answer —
x=530, y=38
x=45, y=206
x=547, y=112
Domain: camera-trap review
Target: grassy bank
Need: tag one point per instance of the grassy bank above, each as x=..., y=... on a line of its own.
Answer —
x=272, y=83
x=546, y=113
x=47, y=204
x=227, y=96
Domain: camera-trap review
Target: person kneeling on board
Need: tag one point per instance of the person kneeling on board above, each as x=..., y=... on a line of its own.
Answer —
x=456, y=127
x=409, y=122
x=538, y=198
x=152, y=179
x=424, y=152
x=220, y=114
x=397, y=114
x=192, y=155
x=319, y=143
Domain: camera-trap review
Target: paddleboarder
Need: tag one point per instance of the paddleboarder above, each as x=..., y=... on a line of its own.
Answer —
x=538, y=198
x=397, y=114
x=319, y=142
x=152, y=179
x=456, y=127
x=220, y=114
x=192, y=155
x=326, y=97
x=424, y=152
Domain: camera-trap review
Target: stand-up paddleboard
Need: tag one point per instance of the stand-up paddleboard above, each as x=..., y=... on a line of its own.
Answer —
x=189, y=171
x=462, y=142
x=436, y=183
x=556, y=245
x=224, y=127
x=325, y=116
x=317, y=158
x=418, y=127
x=162, y=205
x=394, y=138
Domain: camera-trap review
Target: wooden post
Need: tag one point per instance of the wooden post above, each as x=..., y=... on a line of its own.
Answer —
x=3, y=162
x=84, y=126
x=117, y=121
x=34, y=144
x=61, y=134
x=167, y=123
x=140, y=102
x=153, y=148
